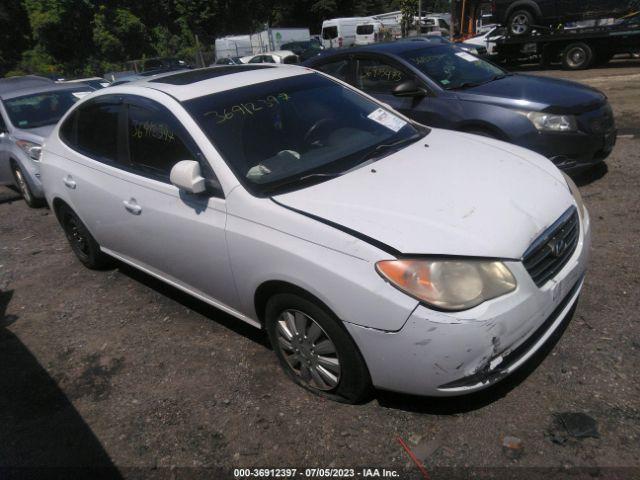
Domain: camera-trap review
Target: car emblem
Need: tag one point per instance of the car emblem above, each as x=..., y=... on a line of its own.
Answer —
x=557, y=247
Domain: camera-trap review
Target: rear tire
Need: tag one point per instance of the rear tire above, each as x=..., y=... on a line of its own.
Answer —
x=520, y=23
x=577, y=56
x=25, y=190
x=81, y=241
x=315, y=350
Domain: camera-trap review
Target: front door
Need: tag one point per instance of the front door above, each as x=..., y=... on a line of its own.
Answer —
x=177, y=235
x=378, y=77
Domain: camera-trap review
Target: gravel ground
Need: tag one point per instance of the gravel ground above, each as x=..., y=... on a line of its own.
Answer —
x=116, y=369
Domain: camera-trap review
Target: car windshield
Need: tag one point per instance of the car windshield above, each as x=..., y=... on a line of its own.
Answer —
x=284, y=134
x=39, y=109
x=453, y=68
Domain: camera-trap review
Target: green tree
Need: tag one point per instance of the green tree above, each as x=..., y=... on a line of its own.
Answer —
x=15, y=35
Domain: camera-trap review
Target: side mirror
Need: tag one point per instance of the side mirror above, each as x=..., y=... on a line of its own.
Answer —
x=186, y=176
x=409, y=88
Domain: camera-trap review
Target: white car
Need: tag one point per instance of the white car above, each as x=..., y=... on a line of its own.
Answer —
x=279, y=56
x=488, y=39
x=373, y=250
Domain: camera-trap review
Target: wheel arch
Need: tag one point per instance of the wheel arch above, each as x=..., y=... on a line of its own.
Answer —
x=268, y=289
x=528, y=5
x=56, y=204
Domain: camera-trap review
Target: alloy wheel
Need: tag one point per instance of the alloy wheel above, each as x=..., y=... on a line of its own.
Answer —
x=308, y=350
x=22, y=185
x=520, y=24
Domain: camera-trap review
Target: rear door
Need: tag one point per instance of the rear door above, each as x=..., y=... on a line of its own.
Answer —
x=123, y=149
x=340, y=67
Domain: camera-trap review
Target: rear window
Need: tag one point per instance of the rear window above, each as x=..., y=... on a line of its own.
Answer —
x=364, y=29
x=37, y=110
x=329, y=32
x=93, y=129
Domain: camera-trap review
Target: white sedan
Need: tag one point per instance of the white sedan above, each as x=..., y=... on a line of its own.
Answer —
x=279, y=56
x=374, y=251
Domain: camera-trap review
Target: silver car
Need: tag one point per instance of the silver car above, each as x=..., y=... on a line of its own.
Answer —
x=29, y=109
x=374, y=251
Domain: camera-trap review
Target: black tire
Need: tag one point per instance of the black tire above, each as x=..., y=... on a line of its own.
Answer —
x=520, y=23
x=577, y=56
x=23, y=186
x=81, y=241
x=353, y=383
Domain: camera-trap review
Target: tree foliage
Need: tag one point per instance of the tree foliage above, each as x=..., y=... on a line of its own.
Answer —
x=89, y=37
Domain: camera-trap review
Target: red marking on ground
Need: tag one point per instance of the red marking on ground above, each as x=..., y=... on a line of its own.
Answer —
x=415, y=460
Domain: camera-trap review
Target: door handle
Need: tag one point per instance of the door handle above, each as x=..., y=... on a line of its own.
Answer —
x=69, y=182
x=132, y=206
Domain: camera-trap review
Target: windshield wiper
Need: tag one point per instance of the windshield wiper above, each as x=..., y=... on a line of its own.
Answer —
x=373, y=154
x=327, y=175
x=466, y=85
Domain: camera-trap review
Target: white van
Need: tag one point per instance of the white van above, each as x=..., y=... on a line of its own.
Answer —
x=368, y=32
x=376, y=31
x=341, y=32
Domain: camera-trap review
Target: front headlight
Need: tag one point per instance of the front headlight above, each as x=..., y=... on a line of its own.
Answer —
x=546, y=122
x=449, y=284
x=575, y=191
x=32, y=149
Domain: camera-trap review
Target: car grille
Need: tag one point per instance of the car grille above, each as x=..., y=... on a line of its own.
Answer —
x=481, y=50
x=553, y=249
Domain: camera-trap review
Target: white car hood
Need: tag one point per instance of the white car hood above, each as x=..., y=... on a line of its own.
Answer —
x=460, y=195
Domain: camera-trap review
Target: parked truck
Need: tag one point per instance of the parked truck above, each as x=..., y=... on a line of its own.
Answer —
x=576, y=48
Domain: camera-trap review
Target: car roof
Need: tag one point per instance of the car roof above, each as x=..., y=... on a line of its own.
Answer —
x=44, y=88
x=205, y=81
x=12, y=84
x=390, y=48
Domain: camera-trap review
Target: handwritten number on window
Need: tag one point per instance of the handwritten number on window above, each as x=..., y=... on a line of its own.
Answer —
x=248, y=108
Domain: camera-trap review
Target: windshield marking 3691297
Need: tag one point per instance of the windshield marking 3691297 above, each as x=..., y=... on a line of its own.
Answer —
x=292, y=132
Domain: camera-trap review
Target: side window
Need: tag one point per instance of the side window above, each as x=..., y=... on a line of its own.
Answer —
x=156, y=142
x=258, y=59
x=375, y=76
x=339, y=69
x=3, y=125
x=92, y=129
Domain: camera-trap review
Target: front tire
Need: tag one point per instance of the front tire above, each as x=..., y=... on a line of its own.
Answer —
x=81, y=241
x=25, y=190
x=520, y=23
x=315, y=350
x=577, y=56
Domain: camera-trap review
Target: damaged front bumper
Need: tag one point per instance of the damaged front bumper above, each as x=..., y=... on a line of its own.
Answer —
x=447, y=354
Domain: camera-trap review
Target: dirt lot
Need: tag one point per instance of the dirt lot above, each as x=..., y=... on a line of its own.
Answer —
x=115, y=369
